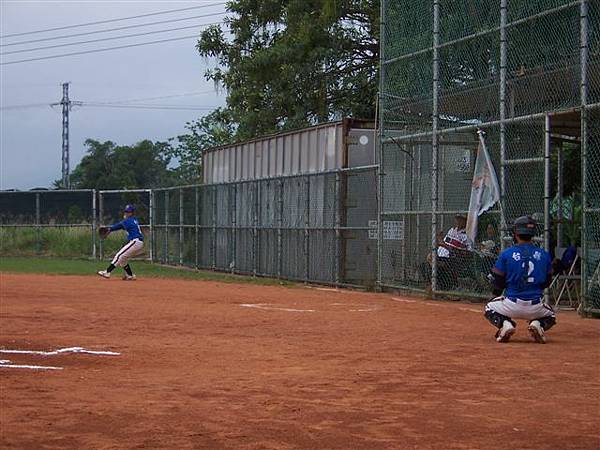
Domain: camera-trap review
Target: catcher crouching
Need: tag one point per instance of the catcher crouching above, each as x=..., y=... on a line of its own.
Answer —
x=522, y=271
x=133, y=247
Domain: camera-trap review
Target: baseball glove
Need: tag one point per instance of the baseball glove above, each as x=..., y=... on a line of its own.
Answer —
x=103, y=231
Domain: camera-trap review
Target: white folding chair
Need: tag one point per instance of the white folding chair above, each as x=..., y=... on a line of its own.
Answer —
x=569, y=285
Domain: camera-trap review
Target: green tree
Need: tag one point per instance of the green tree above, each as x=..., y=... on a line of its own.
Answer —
x=214, y=129
x=108, y=166
x=292, y=63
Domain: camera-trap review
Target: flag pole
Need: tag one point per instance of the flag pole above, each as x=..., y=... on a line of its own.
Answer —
x=481, y=135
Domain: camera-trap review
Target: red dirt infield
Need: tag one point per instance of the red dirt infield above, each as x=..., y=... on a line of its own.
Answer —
x=238, y=366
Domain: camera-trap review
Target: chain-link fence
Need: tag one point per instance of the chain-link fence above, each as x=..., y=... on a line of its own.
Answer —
x=526, y=73
x=57, y=223
x=316, y=227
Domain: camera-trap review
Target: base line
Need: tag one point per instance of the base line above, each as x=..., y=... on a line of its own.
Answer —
x=6, y=364
x=60, y=351
x=273, y=308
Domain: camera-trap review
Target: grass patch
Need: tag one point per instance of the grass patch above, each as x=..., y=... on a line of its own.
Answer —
x=58, y=266
x=47, y=241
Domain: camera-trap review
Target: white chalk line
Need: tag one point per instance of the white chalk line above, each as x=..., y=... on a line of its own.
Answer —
x=61, y=351
x=442, y=305
x=269, y=307
x=341, y=291
x=5, y=363
x=273, y=308
x=364, y=310
x=21, y=366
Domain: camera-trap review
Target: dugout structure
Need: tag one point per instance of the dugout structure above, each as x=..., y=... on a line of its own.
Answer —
x=527, y=73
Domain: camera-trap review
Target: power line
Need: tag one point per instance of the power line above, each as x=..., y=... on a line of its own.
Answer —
x=149, y=107
x=118, y=106
x=113, y=20
x=87, y=33
x=30, y=105
x=118, y=102
x=186, y=94
x=108, y=38
x=97, y=50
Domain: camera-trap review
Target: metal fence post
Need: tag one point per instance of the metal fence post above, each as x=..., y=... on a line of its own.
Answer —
x=547, y=182
x=559, y=194
x=94, y=223
x=214, y=229
x=406, y=186
x=38, y=237
x=547, y=187
x=101, y=220
x=338, y=232
x=151, y=219
x=166, y=240
x=255, y=235
x=307, y=231
x=233, y=193
x=380, y=170
x=502, y=101
x=181, y=232
x=279, y=228
x=584, y=59
x=196, y=223
x=417, y=175
x=434, y=144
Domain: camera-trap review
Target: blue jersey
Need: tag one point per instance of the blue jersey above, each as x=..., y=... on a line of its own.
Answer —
x=526, y=268
x=132, y=226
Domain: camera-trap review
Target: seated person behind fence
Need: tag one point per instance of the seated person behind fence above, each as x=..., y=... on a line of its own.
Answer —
x=489, y=248
x=453, y=253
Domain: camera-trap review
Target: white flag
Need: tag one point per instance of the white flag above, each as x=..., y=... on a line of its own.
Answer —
x=485, y=191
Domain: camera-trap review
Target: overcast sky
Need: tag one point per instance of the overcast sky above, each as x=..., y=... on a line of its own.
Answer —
x=30, y=143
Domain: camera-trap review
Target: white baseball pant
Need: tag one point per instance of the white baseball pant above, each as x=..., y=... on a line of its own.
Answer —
x=519, y=309
x=129, y=250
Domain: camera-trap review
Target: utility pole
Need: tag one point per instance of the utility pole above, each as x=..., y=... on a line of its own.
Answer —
x=66, y=107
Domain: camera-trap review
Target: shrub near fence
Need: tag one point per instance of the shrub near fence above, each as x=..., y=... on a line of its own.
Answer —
x=62, y=242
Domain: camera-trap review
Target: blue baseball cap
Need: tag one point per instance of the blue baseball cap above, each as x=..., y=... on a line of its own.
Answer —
x=129, y=208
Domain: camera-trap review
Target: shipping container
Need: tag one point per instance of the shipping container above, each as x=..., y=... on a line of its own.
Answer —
x=321, y=148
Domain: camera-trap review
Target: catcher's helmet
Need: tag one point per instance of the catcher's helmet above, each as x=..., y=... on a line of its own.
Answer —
x=129, y=208
x=524, y=226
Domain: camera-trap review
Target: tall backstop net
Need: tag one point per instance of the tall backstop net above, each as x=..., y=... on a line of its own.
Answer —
x=527, y=74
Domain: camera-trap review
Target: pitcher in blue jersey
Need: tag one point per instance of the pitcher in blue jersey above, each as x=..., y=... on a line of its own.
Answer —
x=133, y=247
x=522, y=272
